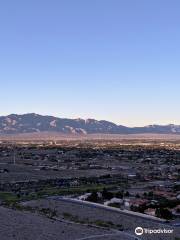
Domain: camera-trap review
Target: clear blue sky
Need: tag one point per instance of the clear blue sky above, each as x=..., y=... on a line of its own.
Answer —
x=117, y=60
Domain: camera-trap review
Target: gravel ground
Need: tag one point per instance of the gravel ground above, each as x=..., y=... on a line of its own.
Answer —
x=92, y=214
x=16, y=225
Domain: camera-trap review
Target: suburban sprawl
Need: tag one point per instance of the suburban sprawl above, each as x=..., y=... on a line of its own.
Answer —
x=89, y=189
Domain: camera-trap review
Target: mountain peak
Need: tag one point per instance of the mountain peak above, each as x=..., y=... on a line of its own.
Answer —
x=32, y=122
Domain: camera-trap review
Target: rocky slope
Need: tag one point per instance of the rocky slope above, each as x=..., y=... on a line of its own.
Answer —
x=29, y=123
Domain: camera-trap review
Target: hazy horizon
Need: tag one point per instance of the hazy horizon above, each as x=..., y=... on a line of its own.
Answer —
x=61, y=116
x=108, y=60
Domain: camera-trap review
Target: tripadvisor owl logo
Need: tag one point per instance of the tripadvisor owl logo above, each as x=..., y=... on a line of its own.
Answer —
x=139, y=231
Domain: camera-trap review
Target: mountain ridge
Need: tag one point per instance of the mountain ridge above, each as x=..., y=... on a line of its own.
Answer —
x=32, y=122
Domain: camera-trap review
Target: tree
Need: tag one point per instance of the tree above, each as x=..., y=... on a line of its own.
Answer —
x=163, y=213
x=145, y=194
x=93, y=197
x=119, y=194
x=178, y=210
x=150, y=194
x=107, y=195
x=127, y=194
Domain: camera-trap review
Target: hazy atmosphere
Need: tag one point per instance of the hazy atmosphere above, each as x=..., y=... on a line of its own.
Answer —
x=89, y=120
x=114, y=60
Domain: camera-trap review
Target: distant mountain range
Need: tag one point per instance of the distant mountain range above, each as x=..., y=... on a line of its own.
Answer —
x=31, y=122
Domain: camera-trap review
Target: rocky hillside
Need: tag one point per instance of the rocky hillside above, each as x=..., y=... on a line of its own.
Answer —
x=29, y=123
